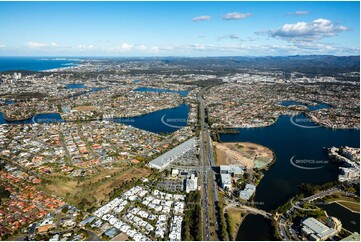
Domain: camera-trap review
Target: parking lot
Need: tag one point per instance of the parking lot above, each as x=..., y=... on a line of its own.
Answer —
x=171, y=185
x=189, y=158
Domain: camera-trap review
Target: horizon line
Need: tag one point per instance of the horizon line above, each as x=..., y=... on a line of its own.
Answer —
x=172, y=56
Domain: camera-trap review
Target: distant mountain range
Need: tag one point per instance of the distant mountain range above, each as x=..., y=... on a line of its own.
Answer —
x=312, y=64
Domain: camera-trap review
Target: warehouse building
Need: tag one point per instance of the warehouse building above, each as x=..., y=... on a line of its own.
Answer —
x=312, y=229
x=226, y=181
x=227, y=172
x=191, y=183
x=162, y=161
x=235, y=171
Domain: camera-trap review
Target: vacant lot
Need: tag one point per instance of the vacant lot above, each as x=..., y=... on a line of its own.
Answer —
x=94, y=189
x=85, y=108
x=120, y=237
x=237, y=215
x=249, y=155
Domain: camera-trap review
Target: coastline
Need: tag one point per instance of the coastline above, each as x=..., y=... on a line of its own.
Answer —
x=38, y=67
x=62, y=68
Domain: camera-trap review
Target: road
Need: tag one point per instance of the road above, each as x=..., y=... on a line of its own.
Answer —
x=321, y=194
x=190, y=167
x=204, y=193
x=208, y=176
x=248, y=209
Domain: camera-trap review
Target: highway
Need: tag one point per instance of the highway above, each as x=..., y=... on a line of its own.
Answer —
x=207, y=161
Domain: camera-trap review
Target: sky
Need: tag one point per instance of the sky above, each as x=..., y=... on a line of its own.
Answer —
x=179, y=28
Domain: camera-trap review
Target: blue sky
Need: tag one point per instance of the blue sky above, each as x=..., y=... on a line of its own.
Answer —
x=179, y=28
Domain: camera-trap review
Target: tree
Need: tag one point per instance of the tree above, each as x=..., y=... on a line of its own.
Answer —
x=4, y=194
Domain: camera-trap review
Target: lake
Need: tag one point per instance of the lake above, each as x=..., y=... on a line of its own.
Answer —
x=75, y=86
x=288, y=140
x=162, y=121
x=255, y=228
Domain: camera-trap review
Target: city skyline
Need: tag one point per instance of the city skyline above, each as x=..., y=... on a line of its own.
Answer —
x=179, y=28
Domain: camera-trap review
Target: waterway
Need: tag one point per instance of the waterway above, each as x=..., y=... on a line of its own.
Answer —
x=255, y=228
x=39, y=118
x=75, y=86
x=288, y=140
x=162, y=121
x=309, y=107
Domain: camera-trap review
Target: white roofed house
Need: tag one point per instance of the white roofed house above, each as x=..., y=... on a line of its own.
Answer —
x=191, y=183
x=247, y=192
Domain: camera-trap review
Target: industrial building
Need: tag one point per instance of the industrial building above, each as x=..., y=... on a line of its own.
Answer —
x=162, y=161
x=228, y=171
x=235, y=171
x=312, y=229
x=226, y=181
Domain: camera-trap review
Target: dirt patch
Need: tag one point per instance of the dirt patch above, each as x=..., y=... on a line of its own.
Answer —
x=120, y=237
x=249, y=155
x=85, y=108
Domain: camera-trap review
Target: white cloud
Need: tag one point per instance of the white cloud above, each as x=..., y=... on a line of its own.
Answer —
x=2, y=46
x=142, y=47
x=236, y=16
x=40, y=45
x=85, y=47
x=201, y=18
x=36, y=45
x=239, y=47
x=300, y=12
x=126, y=46
x=230, y=36
x=303, y=31
x=154, y=49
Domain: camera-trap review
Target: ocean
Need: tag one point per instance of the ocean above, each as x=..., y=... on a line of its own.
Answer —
x=35, y=63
